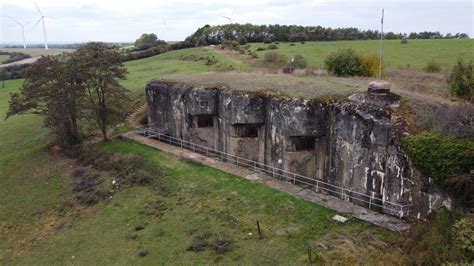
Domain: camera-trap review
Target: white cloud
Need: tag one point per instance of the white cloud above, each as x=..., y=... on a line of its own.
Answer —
x=125, y=20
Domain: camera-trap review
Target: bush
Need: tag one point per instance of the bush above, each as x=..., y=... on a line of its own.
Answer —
x=404, y=41
x=241, y=50
x=232, y=45
x=275, y=59
x=298, y=61
x=298, y=37
x=288, y=70
x=344, y=62
x=267, y=40
x=261, y=49
x=435, y=242
x=254, y=54
x=247, y=47
x=291, y=44
x=432, y=66
x=272, y=47
x=242, y=40
x=369, y=65
x=145, y=53
x=440, y=157
x=464, y=230
x=461, y=80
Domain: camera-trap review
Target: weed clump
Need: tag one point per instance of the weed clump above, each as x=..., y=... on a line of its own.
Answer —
x=275, y=59
x=272, y=47
x=432, y=66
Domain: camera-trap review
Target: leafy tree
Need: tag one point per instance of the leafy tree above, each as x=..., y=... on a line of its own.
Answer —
x=147, y=41
x=52, y=89
x=104, y=99
x=461, y=80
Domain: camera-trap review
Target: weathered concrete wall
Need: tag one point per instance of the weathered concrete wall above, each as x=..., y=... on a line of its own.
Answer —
x=352, y=143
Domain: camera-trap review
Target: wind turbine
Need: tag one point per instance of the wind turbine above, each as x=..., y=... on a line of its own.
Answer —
x=22, y=26
x=41, y=19
x=229, y=18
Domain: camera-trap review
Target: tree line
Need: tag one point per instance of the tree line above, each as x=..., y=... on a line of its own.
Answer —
x=209, y=35
x=73, y=92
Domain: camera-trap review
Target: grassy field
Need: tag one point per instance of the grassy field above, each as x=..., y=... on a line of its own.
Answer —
x=415, y=54
x=182, y=62
x=34, y=52
x=191, y=203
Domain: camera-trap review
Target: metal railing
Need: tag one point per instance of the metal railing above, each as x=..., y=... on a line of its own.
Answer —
x=317, y=184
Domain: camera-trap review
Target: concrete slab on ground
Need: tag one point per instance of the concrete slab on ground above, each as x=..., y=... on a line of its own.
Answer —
x=327, y=201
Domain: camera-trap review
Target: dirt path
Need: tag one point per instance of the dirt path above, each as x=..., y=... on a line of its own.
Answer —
x=327, y=201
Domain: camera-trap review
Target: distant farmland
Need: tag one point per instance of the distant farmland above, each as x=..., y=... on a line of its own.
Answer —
x=415, y=54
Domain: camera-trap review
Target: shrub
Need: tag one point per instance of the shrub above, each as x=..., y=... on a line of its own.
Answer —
x=241, y=50
x=434, y=242
x=404, y=41
x=432, y=66
x=232, y=45
x=254, y=54
x=440, y=157
x=298, y=61
x=261, y=49
x=369, y=65
x=247, y=46
x=461, y=80
x=288, y=70
x=298, y=37
x=343, y=62
x=267, y=40
x=275, y=59
x=272, y=47
x=242, y=40
x=464, y=230
x=291, y=44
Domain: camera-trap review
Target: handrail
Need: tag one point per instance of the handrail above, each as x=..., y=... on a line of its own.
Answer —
x=318, y=185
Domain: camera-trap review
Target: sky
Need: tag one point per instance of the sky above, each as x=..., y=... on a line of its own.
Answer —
x=126, y=20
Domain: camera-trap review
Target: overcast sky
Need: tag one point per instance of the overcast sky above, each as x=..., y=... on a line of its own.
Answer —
x=125, y=20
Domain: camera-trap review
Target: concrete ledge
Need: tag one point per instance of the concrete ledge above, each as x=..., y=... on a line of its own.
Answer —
x=327, y=201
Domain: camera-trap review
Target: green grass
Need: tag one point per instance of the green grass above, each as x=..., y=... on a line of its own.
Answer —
x=30, y=183
x=199, y=201
x=175, y=62
x=3, y=58
x=416, y=54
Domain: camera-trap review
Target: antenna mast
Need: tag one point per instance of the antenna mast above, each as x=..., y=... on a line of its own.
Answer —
x=381, y=47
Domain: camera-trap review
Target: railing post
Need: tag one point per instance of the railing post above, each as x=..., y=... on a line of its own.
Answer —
x=255, y=166
x=317, y=185
x=294, y=179
x=370, y=202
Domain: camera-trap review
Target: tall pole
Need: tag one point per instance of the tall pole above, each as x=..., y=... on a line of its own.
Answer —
x=381, y=46
x=44, y=33
x=23, y=33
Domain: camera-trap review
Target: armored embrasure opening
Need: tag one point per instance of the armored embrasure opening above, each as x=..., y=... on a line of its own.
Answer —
x=301, y=143
x=245, y=130
x=200, y=121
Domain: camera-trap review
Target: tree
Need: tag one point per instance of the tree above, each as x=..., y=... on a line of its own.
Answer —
x=461, y=80
x=147, y=41
x=104, y=99
x=52, y=89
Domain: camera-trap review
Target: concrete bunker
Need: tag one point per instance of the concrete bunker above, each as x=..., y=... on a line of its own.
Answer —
x=351, y=144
